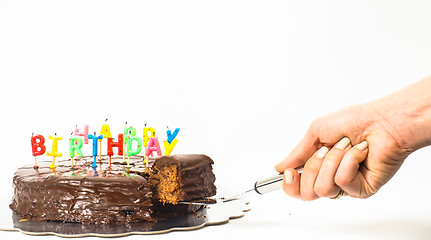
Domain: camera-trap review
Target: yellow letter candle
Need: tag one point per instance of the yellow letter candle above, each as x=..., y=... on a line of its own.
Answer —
x=54, y=152
x=169, y=146
x=146, y=138
x=106, y=133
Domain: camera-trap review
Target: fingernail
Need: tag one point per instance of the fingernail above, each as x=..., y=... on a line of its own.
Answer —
x=362, y=146
x=322, y=152
x=288, y=176
x=343, y=143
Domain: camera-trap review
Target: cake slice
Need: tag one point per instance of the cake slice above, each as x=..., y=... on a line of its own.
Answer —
x=182, y=177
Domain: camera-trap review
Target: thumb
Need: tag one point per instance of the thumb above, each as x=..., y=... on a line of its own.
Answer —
x=301, y=153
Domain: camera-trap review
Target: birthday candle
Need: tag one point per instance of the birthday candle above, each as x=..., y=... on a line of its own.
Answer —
x=153, y=146
x=75, y=145
x=169, y=146
x=146, y=137
x=148, y=133
x=118, y=144
x=172, y=136
x=130, y=150
x=106, y=133
x=171, y=141
x=95, y=139
x=112, y=144
x=54, y=152
x=129, y=133
x=84, y=134
x=37, y=147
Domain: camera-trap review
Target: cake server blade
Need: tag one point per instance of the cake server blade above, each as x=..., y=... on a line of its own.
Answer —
x=261, y=187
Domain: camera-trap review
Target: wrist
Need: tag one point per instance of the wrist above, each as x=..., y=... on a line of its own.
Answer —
x=406, y=115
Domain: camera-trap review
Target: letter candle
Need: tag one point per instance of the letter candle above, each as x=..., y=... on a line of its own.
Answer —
x=54, y=152
x=112, y=144
x=129, y=134
x=171, y=141
x=131, y=151
x=75, y=145
x=84, y=134
x=106, y=133
x=95, y=139
x=153, y=145
x=145, y=140
x=172, y=136
x=37, y=147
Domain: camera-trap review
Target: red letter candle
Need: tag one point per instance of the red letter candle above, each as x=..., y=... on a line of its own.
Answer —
x=37, y=147
x=112, y=144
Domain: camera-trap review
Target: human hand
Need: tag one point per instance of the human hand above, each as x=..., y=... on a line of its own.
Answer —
x=361, y=170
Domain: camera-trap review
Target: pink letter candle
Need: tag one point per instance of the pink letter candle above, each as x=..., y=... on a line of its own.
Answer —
x=153, y=145
x=84, y=134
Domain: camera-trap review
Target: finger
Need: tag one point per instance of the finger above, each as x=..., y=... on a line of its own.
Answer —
x=301, y=153
x=309, y=174
x=325, y=185
x=348, y=177
x=291, y=183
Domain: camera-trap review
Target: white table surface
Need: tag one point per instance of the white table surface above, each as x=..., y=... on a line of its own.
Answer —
x=242, y=79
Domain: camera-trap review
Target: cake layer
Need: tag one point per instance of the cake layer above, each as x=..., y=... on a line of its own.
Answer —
x=182, y=177
x=83, y=194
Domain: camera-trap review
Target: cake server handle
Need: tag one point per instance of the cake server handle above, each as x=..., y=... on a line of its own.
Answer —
x=271, y=183
x=265, y=185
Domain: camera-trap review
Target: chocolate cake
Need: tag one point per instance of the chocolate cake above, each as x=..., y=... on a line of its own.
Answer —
x=102, y=195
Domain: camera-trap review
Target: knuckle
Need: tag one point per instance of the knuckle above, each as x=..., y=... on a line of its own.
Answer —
x=323, y=191
x=342, y=180
x=333, y=156
x=313, y=165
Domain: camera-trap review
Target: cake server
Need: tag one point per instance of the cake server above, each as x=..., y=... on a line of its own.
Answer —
x=261, y=187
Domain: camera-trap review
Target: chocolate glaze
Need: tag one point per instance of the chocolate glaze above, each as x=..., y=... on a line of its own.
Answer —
x=196, y=178
x=102, y=195
x=83, y=194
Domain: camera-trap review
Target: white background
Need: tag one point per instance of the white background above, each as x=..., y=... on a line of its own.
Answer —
x=242, y=79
